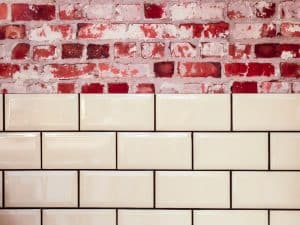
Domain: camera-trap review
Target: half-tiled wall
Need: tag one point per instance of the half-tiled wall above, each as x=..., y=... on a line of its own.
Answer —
x=150, y=159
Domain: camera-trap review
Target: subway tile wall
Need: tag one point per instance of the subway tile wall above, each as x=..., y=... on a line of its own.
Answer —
x=226, y=159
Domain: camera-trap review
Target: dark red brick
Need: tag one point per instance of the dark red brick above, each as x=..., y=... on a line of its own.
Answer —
x=66, y=88
x=164, y=69
x=12, y=32
x=8, y=70
x=97, y=51
x=267, y=11
x=28, y=12
x=92, y=88
x=290, y=69
x=244, y=87
x=20, y=51
x=72, y=51
x=145, y=88
x=153, y=11
x=260, y=69
x=235, y=69
x=118, y=88
x=267, y=50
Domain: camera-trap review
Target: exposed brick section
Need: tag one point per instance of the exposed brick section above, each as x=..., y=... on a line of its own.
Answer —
x=71, y=11
x=3, y=11
x=183, y=49
x=239, y=51
x=72, y=51
x=290, y=69
x=244, y=87
x=284, y=51
x=12, y=32
x=66, y=71
x=199, y=69
x=92, y=88
x=249, y=69
x=153, y=50
x=20, y=51
x=8, y=70
x=145, y=88
x=51, y=33
x=125, y=50
x=164, y=69
x=28, y=12
x=264, y=9
x=44, y=52
x=118, y=88
x=290, y=29
x=95, y=51
x=65, y=87
x=153, y=11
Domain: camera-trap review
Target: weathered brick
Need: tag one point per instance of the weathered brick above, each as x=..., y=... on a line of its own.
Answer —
x=239, y=51
x=213, y=49
x=8, y=70
x=264, y=9
x=290, y=69
x=45, y=52
x=290, y=29
x=275, y=87
x=51, y=33
x=145, y=88
x=289, y=9
x=72, y=50
x=183, y=49
x=65, y=87
x=71, y=11
x=253, y=30
x=131, y=12
x=125, y=49
x=239, y=9
x=154, y=11
x=20, y=51
x=28, y=12
x=153, y=50
x=284, y=51
x=164, y=69
x=95, y=51
x=12, y=32
x=66, y=71
x=199, y=69
x=124, y=70
x=249, y=69
x=92, y=88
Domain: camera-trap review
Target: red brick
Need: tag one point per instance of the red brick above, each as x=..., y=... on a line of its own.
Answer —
x=214, y=30
x=20, y=51
x=290, y=69
x=249, y=69
x=12, y=32
x=51, y=33
x=118, y=88
x=194, y=28
x=125, y=49
x=267, y=50
x=3, y=11
x=43, y=52
x=102, y=30
x=145, y=88
x=183, y=49
x=164, y=69
x=8, y=70
x=236, y=69
x=244, y=87
x=253, y=30
x=290, y=29
x=66, y=71
x=28, y=12
x=95, y=51
x=199, y=69
x=92, y=88
x=153, y=11
x=275, y=87
x=153, y=50
x=239, y=51
x=65, y=87
x=70, y=51
x=290, y=51
x=71, y=11
x=264, y=9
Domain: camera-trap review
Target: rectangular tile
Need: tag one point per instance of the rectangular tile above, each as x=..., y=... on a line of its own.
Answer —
x=154, y=150
x=117, y=112
x=157, y=217
x=230, y=150
x=193, y=112
x=40, y=188
x=41, y=112
x=116, y=188
x=20, y=151
x=20, y=217
x=285, y=151
x=192, y=189
x=79, y=216
x=79, y=150
x=266, y=189
x=230, y=217
x=284, y=217
x=266, y=112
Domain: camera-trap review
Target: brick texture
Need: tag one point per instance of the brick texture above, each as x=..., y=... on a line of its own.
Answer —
x=161, y=46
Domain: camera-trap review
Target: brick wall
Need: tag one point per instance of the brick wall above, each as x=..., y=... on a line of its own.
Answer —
x=120, y=46
x=150, y=159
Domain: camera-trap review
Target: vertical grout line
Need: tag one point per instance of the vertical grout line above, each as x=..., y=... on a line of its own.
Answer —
x=117, y=216
x=78, y=188
x=192, y=214
x=79, y=112
x=154, y=189
x=269, y=218
x=41, y=148
x=154, y=112
x=117, y=150
x=231, y=113
x=41, y=212
x=230, y=177
x=3, y=189
x=192, y=158
x=3, y=112
x=269, y=151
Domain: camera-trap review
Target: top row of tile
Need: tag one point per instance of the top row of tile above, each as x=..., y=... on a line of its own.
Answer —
x=168, y=112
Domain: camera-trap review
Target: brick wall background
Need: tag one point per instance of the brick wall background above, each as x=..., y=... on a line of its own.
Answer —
x=166, y=46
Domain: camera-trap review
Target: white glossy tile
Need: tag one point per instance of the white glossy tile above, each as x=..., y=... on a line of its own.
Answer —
x=117, y=112
x=20, y=151
x=20, y=217
x=154, y=150
x=79, y=150
x=266, y=189
x=230, y=150
x=116, y=188
x=79, y=217
x=40, y=188
x=266, y=112
x=41, y=112
x=192, y=189
x=157, y=217
x=284, y=217
x=193, y=112
x=285, y=151
x=230, y=217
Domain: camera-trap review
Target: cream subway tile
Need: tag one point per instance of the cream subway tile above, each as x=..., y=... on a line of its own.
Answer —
x=266, y=112
x=1, y=191
x=117, y=112
x=285, y=151
x=40, y=188
x=192, y=189
x=230, y=150
x=1, y=112
x=284, y=217
x=79, y=217
x=20, y=217
x=41, y=112
x=258, y=189
x=116, y=188
x=157, y=217
x=79, y=150
x=193, y=112
x=154, y=150
x=230, y=217
x=20, y=151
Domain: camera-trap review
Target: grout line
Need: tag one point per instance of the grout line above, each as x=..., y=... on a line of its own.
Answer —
x=41, y=212
x=41, y=148
x=116, y=150
x=231, y=113
x=192, y=139
x=269, y=151
x=78, y=188
x=3, y=112
x=79, y=103
x=269, y=218
x=230, y=195
x=192, y=219
x=154, y=112
x=117, y=216
x=154, y=189
x=3, y=189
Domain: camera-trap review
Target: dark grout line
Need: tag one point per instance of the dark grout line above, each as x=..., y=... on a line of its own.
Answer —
x=192, y=217
x=79, y=103
x=192, y=157
x=230, y=196
x=269, y=151
x=3, y=189
x=154, y=189
x=78, y=188
x=231, y=113
x=41, y=213
x=116, y=150
x=3, y=111
x=269, y=218
x=154, y=112
x=41, y=148
x=117, y=216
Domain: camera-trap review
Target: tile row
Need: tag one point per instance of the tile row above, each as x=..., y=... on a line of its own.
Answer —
x=150, y=150
x=147, y=217
x=159, y=189
x=148, y=112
